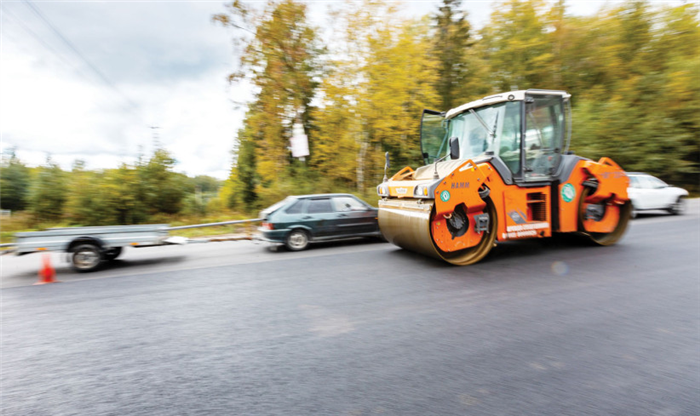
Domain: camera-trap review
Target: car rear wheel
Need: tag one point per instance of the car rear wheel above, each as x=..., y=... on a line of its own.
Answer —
x=678, y=207
x=297, y=240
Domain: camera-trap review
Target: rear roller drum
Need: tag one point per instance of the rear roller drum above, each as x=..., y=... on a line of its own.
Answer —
x=592, y=216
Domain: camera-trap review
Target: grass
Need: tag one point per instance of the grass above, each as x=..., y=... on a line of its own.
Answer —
x=9, y=225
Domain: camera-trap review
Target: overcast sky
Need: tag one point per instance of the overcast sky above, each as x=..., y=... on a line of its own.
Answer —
x=141, y=64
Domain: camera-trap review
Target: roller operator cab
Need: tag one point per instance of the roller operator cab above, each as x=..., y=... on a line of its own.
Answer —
x=499, y=169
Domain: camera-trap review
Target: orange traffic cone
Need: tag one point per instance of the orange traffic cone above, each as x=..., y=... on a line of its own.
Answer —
x=47, y=273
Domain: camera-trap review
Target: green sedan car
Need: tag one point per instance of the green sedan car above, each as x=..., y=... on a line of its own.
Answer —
x=299, y=220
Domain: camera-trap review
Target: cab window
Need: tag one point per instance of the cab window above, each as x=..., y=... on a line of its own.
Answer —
x=544, y=128
x=509, y=138
x=433, y=136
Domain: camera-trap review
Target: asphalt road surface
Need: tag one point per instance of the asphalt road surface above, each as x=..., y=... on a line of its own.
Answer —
x=547, y=327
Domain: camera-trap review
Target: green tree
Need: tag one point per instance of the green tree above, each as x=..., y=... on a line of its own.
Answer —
x=458, y=70
x=280, y=58
x=247, y=178
x=517, y=46
x=48, y=192
x=381, y=76
x=120, y=198
x=239, y=190
x=199, y=191
x=641, y=105
x=401, y=75
x=14, y=183
x=162, y=189
x=206, y=184
x=83, y=203
x=676, y=43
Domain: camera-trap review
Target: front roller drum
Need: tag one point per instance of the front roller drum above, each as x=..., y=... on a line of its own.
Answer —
x=407, y=224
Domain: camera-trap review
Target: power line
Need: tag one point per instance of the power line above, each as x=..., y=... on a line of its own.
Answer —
x=68, y=43
x=40, y=40
x=59, y=54
x=156, y=137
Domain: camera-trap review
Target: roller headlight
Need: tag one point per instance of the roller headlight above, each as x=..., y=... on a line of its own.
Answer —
x=420, y=191
x=383, y=190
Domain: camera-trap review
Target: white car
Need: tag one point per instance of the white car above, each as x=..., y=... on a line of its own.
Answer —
x=648, y=192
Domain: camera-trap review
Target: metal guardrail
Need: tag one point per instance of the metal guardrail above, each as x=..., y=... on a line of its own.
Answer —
x=212, y=224
x=7, y=248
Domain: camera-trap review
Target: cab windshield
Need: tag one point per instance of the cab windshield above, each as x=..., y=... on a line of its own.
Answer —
x=494, y=128
x=531, y=147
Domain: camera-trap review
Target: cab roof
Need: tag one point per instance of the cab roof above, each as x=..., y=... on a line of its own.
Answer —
x=502, y=97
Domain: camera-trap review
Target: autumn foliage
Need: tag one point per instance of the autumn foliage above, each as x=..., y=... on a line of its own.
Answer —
x=359, y=84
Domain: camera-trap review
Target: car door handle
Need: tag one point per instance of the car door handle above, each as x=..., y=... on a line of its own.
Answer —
x=307, y=217
x=341, y=215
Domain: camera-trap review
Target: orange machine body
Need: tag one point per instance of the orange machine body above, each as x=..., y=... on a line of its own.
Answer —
x=498, y=169
x=527, y=212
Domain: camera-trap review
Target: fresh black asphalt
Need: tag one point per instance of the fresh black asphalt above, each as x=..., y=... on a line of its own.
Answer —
x=551, y=327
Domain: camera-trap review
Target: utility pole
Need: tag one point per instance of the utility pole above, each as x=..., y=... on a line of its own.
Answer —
x=156, y=138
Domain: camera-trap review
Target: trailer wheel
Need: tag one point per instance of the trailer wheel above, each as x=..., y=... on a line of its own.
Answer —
x=112, y=253
x=86, y=258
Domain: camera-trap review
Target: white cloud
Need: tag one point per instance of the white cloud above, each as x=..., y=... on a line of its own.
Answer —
x=167, y=58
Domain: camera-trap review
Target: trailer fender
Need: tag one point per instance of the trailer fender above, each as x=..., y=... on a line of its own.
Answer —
x=85, y=240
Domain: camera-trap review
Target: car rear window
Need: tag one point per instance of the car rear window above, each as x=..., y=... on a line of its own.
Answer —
x=319, y=206
x=296, y=208
x=276, y=206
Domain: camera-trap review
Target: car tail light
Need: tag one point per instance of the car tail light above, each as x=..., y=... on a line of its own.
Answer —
x=268, y=226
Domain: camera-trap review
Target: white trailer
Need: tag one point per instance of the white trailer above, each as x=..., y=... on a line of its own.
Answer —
x=89, y=247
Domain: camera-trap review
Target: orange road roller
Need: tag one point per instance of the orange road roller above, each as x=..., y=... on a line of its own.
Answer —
x=499, y=169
